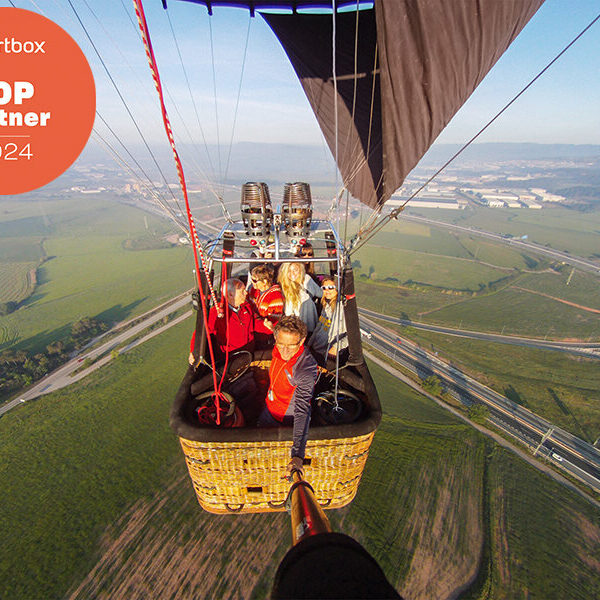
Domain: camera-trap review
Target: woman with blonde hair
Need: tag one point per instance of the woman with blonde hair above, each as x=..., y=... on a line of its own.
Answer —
x=297, y=300
x=329, y=337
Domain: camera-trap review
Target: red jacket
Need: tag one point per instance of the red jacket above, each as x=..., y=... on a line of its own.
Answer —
x=268, y=304
x=241, y=329
x=291, y=388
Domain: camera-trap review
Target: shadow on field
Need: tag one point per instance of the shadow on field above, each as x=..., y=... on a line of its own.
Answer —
x=513, y=395
x=41, y=340
x=118, y=312
x=567, y=411
x=41, y=278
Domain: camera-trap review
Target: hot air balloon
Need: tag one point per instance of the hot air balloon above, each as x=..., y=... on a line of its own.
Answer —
x=383, y=78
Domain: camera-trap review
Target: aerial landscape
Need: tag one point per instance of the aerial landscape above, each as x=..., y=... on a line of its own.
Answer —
x=477, y=303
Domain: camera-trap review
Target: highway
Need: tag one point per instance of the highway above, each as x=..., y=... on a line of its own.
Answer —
x=589, y=350
x=66, y=374
x=576, y=261
x=566, y=451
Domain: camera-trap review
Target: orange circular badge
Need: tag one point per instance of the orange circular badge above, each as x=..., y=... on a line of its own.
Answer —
x=47, y=100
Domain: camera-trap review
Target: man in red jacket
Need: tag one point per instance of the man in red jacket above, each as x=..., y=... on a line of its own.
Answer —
x=292, y=378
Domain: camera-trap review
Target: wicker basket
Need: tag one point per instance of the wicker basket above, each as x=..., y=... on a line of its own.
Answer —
x=248, y=477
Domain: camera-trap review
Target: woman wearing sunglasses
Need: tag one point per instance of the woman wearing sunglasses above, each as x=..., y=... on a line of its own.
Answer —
x=329, y=337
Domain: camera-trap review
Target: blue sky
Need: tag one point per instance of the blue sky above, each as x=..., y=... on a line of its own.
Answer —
x=563, y=107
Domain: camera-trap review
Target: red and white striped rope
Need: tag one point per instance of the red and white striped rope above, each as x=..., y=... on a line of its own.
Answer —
x=139, y=11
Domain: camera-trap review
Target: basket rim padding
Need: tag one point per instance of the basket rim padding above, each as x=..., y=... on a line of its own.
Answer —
x=253, y=434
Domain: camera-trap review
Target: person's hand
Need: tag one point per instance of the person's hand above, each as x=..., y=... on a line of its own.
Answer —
x=268, y=324
x=191, y=359
x=295, y=465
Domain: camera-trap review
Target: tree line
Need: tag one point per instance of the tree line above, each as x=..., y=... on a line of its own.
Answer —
x=19, y=369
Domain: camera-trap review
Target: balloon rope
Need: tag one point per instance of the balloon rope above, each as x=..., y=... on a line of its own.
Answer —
x=139, y=10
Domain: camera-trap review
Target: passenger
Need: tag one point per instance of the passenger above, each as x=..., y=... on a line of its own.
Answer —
x=297, y=300
x=268, y=301
x=234, y=331
x=292, y=378
x=329, y=336
x=307, y=251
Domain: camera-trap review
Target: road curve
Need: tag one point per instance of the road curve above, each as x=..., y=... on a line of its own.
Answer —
x=580, y=459
x=589, y=350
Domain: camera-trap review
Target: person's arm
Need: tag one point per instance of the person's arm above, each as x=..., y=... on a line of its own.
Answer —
x=193, y=342
x=312, y=287
x=308, y=313
x=305, y=381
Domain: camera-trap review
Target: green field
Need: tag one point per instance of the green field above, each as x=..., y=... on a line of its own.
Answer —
x=583, y=288
x=96, y=464
x=21, y=249
x=419, y=267
x=559, y=387
x=497, y=254
x=88, y=272
x=16, y=281
x=392, y=299
x=556, y=227
x=459, y=280
x=516, y=312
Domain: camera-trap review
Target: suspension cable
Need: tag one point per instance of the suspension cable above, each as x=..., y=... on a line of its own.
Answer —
x=123, y=100
x=237, y=103
x=198, y=250
x=214, y=77
x=187, y=81
x=152, y=189
x=354, y=91
x=119, y=159
x=393, y=214
x=137, y=164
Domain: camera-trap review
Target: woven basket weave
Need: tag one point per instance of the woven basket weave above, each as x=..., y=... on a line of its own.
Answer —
x=248, y=477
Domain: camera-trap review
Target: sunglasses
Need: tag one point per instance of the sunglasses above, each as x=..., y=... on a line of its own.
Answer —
x=328, y=287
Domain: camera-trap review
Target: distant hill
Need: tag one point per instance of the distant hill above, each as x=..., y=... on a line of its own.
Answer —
x=277, y=163
x=497, y=152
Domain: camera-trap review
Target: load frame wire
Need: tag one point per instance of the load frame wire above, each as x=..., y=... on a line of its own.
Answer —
x=237, y=103
x=123, y=101
x=189, y=88
x=153, y=189
x=197, y=167
x=214, y=78
x=119, y=159
x=138, y=165
x=337, y=202
x=354, y=91
x=368, y=234
x=200, y=171
x=154, y=68
x=139, y=9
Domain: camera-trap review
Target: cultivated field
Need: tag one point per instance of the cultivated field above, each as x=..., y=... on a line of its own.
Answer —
x=458, y=280
x=88, y=272
x=17, y=281
x=420, y=267
x=96, y=502
x=559, y=228
x=514, y=311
